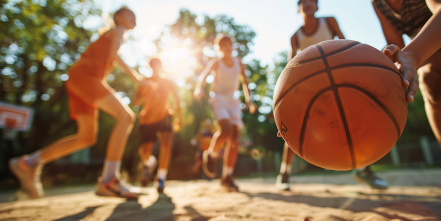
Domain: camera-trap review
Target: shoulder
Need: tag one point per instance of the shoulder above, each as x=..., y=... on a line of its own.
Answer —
x=331, y=20
x=213, y=63
x=117, y=33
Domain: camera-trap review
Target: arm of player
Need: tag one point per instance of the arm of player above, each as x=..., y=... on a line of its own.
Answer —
x=335, y=27
x=117, y=36
x=246, y=90
x=201, y=80
x=424, y=45
x=294, y=47
x=391, y=34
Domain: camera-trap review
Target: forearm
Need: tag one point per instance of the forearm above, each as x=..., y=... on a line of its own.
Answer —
x=130, y=71
x=428, y=41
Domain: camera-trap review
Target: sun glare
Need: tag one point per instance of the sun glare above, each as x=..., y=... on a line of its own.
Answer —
x=179, y=58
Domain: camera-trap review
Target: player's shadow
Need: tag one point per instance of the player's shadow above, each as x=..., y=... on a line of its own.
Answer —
x=79, y=216
x=353, y=202
x=161, y=209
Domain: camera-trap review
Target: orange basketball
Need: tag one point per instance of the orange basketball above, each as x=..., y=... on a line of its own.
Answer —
x=340, y=104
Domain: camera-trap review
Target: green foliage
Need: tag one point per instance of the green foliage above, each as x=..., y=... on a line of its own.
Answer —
x=39, y=41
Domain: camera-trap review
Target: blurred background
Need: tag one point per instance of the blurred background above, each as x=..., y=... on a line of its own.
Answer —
x=40, y=40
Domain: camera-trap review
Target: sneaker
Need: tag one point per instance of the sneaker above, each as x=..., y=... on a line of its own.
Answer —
x=161, y=185
x=229, y=184
x=208, y=164
x=366, y=176
x=116, y=188
x=29, y=177
x=282, y=182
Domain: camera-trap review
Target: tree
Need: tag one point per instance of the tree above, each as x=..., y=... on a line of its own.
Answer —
x=39, y=41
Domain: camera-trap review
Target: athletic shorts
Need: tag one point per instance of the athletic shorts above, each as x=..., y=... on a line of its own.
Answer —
x=148, y=132
x=226, y=107
x=83, y=90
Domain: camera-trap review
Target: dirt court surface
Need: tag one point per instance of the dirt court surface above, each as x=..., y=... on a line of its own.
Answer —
x=414, y=195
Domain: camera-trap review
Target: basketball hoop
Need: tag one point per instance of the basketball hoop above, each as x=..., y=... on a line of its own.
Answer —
x=14, y=116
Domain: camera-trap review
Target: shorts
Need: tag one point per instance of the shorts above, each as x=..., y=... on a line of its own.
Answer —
x=227, y=107
x=83, y=90
x=148, y=132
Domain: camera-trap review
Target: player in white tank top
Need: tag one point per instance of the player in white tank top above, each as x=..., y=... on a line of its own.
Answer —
x=227, y=72
x=313, y=31
x=322, y=33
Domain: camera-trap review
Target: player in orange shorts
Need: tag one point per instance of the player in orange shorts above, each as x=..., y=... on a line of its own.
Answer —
x=156, y=121
x=89, y=92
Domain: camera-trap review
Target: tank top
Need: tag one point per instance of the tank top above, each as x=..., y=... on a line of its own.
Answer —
x=226, y=79
x=96, y=60
x=322, y=33
x=411, y=18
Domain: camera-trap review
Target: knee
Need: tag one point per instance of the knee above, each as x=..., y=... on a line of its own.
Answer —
x=127, y=116
x=88, y=140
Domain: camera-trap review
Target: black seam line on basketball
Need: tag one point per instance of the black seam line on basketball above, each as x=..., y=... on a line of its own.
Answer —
x=294, y=85
x=337, y=67
x=379, y=103
x=367, y=65
x=332, y=53
x=340, y=106
x=305, y=119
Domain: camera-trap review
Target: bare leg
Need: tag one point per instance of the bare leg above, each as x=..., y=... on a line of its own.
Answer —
x=282, y=181
x=165, y=153
x=124, y=117
x=145, y=150
x=230, y=155
x=430, y=81
x=220, y=137
x=85, y=137
x=288, y=156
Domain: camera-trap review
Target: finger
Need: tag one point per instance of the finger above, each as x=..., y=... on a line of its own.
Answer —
x=413, y=88
x=408, y=76
x=391, y=52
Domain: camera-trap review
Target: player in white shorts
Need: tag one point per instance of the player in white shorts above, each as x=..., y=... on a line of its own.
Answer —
x=227, y=72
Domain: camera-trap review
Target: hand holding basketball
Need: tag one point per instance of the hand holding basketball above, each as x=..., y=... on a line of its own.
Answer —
x=406, y=65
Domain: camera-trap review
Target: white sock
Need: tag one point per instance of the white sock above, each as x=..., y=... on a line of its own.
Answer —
x=162, y=174
x=33, y=159
x=150, y=162
x=361, y=169
x=110, y=171
x=285, y=168
x=227, y=171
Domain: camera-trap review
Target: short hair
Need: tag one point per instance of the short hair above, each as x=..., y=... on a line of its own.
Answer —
x=300, y=1
x=155, y=61
x=119, y=12
x=222, y=39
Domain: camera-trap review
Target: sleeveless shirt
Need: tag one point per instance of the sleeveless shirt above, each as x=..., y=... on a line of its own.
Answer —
x=322, y=33
x=226, y=79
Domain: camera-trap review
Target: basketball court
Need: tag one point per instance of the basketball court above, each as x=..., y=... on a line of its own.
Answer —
x=414, y=195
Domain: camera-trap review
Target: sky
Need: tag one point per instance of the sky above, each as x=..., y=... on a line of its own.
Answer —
x=273, y=21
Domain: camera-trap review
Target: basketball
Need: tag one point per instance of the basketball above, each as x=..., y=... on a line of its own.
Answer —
x=340, y=104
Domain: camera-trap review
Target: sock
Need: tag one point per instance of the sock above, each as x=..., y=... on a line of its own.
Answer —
x=33, y=159
x=162, y=174
x=110, y=171
x=361, y=169
x=227, y=171
x=150, y=162
x=285, y=168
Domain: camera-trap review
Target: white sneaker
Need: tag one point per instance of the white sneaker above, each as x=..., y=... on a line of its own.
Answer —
x=29, y=177
x=117, y=188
